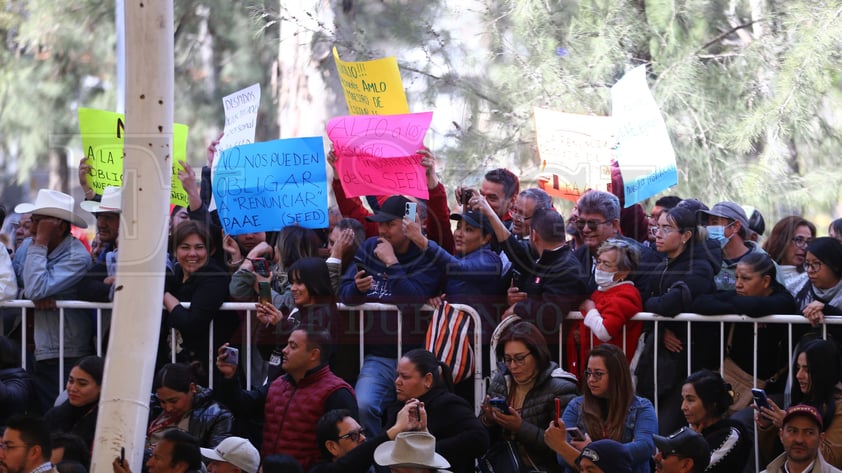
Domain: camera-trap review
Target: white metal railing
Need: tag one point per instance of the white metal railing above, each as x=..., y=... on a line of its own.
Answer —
x=248, y=308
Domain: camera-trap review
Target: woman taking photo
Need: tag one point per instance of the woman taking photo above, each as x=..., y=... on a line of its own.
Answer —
x=314, y=304
x=528, y=382
x=815, y=382
x=77, y=415
x=180, y=403
x=200, y=280
x=460, y=438
x=705, y=401
x=787, y=245
x=608, y=410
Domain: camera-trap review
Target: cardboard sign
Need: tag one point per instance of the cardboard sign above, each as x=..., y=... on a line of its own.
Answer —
x=103, y=136
x=645, y=155
x=575, y=151
x=372, y=87
x=377, y=155
x=240, y=117
x=263, y=187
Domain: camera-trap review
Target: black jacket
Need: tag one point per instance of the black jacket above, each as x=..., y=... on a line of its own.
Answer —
x=771, y=340
x=681, y=280
x=460, y=437
x=210, y=422
x=15, y=391
x=729, y=446
x=358, y=460
x=74, y=420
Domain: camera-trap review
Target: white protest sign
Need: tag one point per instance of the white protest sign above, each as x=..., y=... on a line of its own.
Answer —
x=645, y=154
x=575, y=150
x=240, y=123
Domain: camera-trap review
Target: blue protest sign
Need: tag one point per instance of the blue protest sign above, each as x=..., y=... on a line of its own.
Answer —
x=267, y=186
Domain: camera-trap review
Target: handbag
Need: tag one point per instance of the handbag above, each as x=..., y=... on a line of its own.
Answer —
x=449, y=339
x=503, y=457
x=741, y=382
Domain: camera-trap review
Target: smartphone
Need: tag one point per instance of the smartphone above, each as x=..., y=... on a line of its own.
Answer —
x=557, y=410
x=760, y=398
x=500, y=404
x=261, y=266
x=122, y=456
x=417, y=412
x=516, y=276
x=361, y=266
x=233, y=356
x=265, y=292
x=465, y=197
x=575, y=434
x=411, y=207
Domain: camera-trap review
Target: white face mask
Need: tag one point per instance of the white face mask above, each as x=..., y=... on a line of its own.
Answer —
x=604, y=279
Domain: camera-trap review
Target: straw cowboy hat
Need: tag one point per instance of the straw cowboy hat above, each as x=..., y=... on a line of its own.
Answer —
x=53, y=204
x=411, y=449
x=110, y=202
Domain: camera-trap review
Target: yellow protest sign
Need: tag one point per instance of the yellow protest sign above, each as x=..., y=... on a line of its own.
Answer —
x=103, y=134
x=372, y=87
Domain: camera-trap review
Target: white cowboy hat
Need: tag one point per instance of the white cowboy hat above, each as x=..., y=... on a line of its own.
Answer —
x=412, y=449
x=110, y=202
x=53, y=204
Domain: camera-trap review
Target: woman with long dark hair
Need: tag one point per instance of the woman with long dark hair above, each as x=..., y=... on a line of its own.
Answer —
x=815, y=381
x=787, y=245
x=608, y=409
x=78, y=414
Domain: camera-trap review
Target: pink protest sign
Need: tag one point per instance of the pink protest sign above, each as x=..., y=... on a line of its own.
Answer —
x=376, y=154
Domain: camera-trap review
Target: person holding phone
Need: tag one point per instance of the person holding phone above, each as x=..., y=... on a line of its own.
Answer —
x=460, y=438
x=314, y=304
x=705, y=399
x=607, y=410
x=528, y=384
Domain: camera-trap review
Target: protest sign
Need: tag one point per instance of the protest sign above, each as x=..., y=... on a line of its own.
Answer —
x=377, y=155
x=103, y=135
x=240, y=117
x=645, y=155
x=575, y=150
x=266, y=186
x=372, y=87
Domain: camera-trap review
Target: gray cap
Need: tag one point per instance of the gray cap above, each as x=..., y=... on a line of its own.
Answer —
x=728, y=210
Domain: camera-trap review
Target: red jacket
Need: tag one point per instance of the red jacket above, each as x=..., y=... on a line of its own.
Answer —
x=616, y=305
x=292, y=411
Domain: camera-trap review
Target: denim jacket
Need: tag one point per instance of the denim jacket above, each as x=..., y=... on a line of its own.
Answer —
x=641, y=424
x=56, y=275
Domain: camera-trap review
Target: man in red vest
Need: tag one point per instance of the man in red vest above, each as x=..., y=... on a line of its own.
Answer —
x=294, y=402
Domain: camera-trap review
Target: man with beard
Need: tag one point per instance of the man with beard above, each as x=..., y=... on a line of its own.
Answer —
x=26, y=446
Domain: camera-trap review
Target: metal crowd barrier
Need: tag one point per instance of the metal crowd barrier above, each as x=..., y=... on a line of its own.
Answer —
x=248, y=308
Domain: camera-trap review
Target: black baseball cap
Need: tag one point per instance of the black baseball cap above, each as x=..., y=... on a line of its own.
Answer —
x=394, y=207
x=685, y=443
x=474, y=219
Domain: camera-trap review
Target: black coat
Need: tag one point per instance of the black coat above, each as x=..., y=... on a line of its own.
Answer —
x=681, y=280
x=771, y=340
x=460, y=437
x=210, y=422
x=67, y=418
x=15, y=392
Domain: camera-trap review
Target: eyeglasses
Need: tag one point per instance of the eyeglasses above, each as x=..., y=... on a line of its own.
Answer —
x=665, y=230
x=354, y=435
x=596, y=375
x=591, y=224
x=4, y=446
x=814, y=266
x=801, y=242
x=516, y=359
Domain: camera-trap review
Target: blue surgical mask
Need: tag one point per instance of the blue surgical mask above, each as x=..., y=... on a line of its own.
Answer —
x=604, y=279
x=717, y=233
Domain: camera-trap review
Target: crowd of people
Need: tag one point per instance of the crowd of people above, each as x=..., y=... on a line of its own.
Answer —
x=585, y=403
